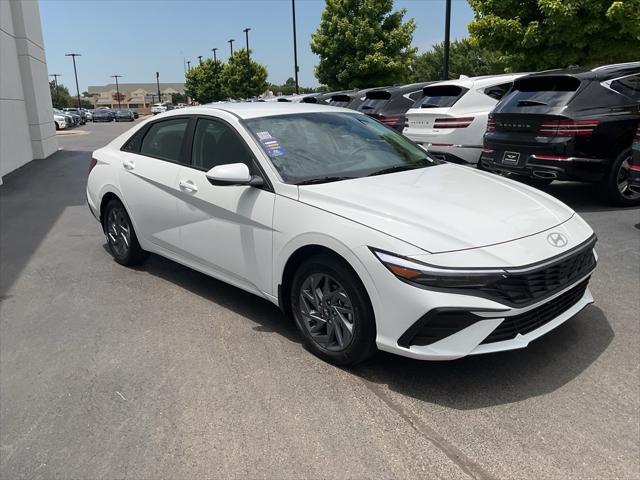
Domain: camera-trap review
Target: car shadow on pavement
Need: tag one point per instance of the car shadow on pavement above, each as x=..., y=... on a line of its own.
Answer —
x=266, y=316
x=468, y=383
x=473, y=382
x=582, y=197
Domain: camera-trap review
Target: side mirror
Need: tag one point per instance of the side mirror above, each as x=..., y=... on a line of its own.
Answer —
x=233, y=174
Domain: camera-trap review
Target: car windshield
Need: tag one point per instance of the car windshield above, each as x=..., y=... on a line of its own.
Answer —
x=322, y=147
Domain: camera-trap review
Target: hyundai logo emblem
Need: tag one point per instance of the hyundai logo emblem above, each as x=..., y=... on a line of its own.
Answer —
x=557, y=239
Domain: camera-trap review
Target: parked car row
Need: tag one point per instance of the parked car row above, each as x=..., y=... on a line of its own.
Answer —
x=576, y=124
x=110, y=115
x=64, y=119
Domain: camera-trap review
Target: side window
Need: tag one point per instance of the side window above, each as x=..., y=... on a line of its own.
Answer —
x=133, y=144
x=164, y=139
x=498, y=91
x=628, y=86
x=216, y=143
x=415, y=95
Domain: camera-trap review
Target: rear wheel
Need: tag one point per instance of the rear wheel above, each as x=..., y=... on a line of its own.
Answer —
x=332, y=311
x=121, y=237
x=617, y=185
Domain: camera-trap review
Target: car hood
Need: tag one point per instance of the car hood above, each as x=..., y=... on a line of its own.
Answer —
x=441, y=208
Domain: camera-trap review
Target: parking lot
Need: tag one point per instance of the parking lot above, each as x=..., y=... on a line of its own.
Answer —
x=161, y=372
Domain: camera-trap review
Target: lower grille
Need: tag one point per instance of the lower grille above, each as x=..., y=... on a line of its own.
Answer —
x=537, y=317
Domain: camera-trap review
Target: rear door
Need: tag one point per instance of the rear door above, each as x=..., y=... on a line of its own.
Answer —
x=226, y=229
x=149, y=167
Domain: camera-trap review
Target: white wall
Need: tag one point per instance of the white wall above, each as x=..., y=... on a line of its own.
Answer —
x=27, y=130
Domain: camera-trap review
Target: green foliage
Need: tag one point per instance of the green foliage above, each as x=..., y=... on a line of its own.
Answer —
x=288, y=88
x=178, y=98
x=465, y=58
x=543, y=34
x=60, y=97
x=203, y=82
x=362, y=43
x=243, y=78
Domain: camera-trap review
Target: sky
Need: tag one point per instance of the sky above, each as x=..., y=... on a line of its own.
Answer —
x=136, y=38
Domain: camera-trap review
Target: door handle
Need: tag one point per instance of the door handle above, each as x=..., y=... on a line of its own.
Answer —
x=188, y=185
x=128, y=164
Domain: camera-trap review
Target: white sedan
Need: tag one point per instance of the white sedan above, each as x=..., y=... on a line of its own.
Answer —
x=348, y=226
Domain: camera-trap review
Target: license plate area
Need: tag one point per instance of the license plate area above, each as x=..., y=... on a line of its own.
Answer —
x=511, y=158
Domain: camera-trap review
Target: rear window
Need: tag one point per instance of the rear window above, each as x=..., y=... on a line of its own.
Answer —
x=498, y=91
x=339, y=100
x=375, y=101
x=628, y=86
x=545, y=91
x=440, y=96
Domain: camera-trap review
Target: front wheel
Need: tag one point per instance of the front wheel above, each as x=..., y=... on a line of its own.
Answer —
x=332, y=311
x=617, y=185
x=121, y=237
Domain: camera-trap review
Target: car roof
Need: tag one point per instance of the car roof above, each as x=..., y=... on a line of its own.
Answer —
x=480, y=81
x=401, y=89
x=247, y=110
x=592, y=73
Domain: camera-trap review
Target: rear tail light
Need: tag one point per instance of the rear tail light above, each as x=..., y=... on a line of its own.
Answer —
x=550, y=157
x=452, y=122
x=568, y=128
x=390, y=121
x=491, y=124
x=92, y=164
x=487, y=150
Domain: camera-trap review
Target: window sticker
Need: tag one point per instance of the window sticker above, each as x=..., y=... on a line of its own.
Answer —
x=270, y=144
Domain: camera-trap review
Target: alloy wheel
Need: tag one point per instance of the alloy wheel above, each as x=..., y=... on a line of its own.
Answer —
x=118, y=232
x=623, y=180
x=327, y=312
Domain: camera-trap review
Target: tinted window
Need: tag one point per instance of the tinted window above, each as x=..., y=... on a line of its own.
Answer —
x=440, y=96
x=547, y=91
x=375, y=101
x=498, y=91
x=164, y=139
x=628, y=86
x=216, y=143
x=311, y=146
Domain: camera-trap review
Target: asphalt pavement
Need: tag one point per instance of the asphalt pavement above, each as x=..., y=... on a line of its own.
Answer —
x=108, y=372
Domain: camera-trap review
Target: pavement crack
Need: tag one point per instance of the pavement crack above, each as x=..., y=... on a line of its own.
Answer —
x=452, y=452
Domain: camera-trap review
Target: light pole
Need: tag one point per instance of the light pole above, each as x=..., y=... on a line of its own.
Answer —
x=200, y=59
x=188, y=65
x=447, y=31
x=246, y=35
x=215, y=59
x=158, y=85
x=117, y=88
x=55, y=82
x=75, y=72
x=295, y=45
x=231, y=45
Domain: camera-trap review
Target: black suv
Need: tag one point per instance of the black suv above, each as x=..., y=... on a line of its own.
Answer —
x=575, y=124
x=389, y=104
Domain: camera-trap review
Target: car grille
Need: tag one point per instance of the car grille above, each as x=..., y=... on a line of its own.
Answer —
x=537, y=317
x=527, y=287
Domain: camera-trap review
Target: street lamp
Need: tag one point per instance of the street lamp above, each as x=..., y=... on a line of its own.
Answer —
x=188, y=65
x=246, y=34
x=158, y=85
x=231, y=45
x=200, y=59
x=55, y=82
x=295, y=44
x=117, y=88
x=447, y=30
x=215, y=59
x=75, y=72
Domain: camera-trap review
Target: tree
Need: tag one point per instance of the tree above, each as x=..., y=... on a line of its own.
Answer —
x=242, y=77
x=465, y=58
x=544, y=34
x=178, y=98
x=203, y=82
x=60, y=97
x=362, y=43
x=288, y=88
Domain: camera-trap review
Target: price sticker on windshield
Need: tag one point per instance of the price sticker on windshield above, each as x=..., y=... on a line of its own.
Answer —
x=270, y=144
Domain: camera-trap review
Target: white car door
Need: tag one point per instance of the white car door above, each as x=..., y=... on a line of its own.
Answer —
x=149, y=181
x=227, y=229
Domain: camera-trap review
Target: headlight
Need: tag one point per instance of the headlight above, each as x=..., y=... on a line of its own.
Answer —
x=419, y=273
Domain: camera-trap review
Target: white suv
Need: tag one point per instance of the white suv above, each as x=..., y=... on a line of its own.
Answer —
x=451, y=118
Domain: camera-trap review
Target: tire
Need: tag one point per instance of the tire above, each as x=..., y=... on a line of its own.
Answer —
x=616, y=184
x=121, y=237
x=342, y=292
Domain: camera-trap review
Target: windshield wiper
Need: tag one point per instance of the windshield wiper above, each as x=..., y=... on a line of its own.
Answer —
x=396, y=168
x=313, y=181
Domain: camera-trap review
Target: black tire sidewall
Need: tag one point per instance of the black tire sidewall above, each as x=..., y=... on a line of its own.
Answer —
x=362, y=344
x=134, y=254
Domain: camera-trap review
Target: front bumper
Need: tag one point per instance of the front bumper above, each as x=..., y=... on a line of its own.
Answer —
x=399, y=306
x=547, y=167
